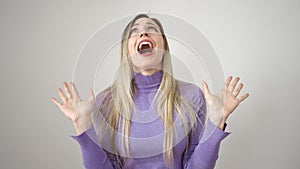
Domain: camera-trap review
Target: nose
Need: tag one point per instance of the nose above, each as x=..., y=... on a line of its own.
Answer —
x=143, y=34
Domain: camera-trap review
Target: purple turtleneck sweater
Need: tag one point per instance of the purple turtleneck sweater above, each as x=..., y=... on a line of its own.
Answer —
x=147, y=131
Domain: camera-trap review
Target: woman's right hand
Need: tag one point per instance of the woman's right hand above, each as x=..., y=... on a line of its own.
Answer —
x=77, y=110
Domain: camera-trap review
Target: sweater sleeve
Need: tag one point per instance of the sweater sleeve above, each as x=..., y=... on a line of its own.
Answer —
x=93, y=156
x=204, y=142
x=204, y=154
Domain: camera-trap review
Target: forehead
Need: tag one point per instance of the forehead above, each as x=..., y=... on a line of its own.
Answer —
x=144, y=21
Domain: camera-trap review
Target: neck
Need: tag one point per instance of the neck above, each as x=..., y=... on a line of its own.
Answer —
x=147, y=71
x=146, y=83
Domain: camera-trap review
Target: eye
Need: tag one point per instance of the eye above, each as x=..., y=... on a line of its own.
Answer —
x=134, y=31
x=152, y=29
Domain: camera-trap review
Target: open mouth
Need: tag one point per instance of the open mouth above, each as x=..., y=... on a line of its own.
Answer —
x=145, y=47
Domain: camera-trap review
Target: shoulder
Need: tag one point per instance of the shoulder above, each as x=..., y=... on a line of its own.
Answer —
x=194, y=95
x=103, y=102
x=104, y=96
x=190, y=91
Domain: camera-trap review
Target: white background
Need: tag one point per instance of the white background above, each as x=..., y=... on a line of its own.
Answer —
x=257, y=40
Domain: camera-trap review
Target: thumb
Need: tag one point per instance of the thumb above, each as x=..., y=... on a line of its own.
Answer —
x=206, y=91
x=91, y=97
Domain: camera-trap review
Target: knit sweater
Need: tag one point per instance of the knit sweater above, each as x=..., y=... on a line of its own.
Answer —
x=147, y=133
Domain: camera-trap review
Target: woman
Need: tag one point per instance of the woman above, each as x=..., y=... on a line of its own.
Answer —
x=146, y=118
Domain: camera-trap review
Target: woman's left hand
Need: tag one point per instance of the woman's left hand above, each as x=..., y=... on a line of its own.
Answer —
x=222, y=104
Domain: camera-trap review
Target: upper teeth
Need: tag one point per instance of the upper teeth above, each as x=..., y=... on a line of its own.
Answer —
x=145, y=43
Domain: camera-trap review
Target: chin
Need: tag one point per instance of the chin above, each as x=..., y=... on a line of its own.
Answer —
x=146, y=67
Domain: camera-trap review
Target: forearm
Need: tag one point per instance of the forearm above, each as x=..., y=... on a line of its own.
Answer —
x=93, y=156
x=206, y=152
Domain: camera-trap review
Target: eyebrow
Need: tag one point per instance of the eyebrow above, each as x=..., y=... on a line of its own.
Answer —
x=149, y=23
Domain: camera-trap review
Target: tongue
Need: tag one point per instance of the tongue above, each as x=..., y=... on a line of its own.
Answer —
x=148, y=50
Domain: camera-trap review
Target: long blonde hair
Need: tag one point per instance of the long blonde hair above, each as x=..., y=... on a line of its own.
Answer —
x=120, y=98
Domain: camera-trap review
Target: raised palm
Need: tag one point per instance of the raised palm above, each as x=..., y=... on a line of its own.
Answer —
x=222, y=104
x=73, y=107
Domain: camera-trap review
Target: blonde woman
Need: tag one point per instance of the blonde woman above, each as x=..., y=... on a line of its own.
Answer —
x=147, y=119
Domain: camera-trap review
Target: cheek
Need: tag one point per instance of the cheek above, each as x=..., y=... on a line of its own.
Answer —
x=160, y=43
x=131, y=46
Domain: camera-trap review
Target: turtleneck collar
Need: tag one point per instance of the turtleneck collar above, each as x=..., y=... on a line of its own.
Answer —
x=147, y=82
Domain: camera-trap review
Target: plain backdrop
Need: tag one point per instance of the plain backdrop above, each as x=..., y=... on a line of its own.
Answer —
x=255, y=39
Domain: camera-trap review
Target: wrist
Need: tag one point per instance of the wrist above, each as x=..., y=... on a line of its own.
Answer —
x=222, y=123
x=78, y=128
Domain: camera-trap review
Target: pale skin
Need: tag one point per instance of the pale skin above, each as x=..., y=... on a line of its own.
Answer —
x=73, y=107
x=228, y=100
x=221, y=105
x=146, y=28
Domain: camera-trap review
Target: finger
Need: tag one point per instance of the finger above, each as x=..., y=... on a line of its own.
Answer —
x=205, y=89
x=242, y=98
x=56, y=102
x=75, y=91
x=238, y=89
x=233, y=84
x=67, y=90
x=61, y=95
x=91, y=96
x=227, y=82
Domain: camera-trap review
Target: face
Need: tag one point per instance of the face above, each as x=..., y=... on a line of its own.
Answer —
x=146, y=46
